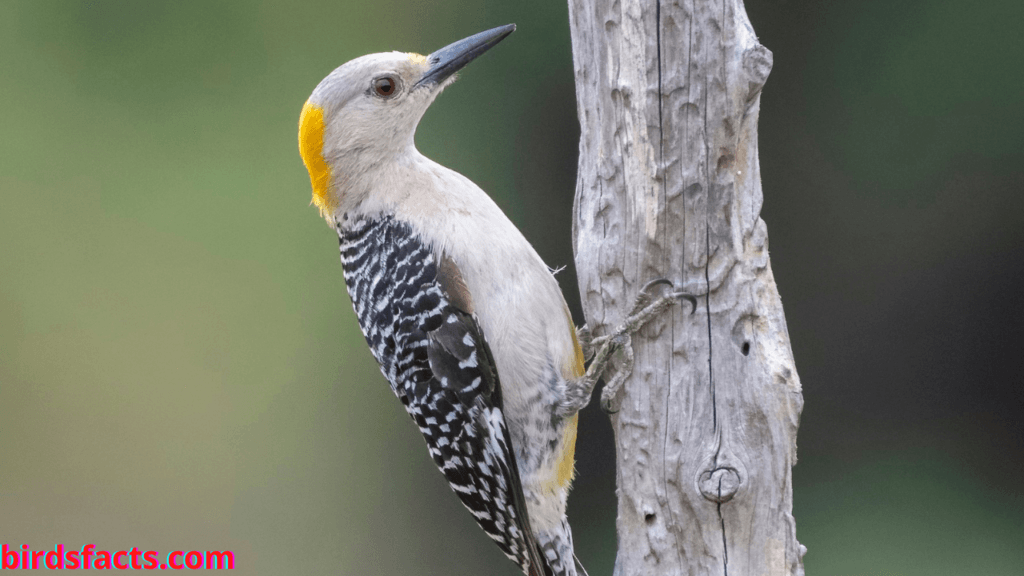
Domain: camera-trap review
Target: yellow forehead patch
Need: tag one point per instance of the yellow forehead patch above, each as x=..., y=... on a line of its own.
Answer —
x=416, y=58
x=311, y=148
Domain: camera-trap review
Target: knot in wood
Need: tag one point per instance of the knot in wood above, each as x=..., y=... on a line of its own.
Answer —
x=719, y=485
x=757, y=62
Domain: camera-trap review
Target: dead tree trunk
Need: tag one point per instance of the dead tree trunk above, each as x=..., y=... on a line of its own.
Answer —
x=669, y=186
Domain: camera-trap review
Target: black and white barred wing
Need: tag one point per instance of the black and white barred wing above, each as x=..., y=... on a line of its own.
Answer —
x=417, y=316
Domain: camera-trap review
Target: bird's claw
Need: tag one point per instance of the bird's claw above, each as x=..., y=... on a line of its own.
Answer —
x=647, y=295
x=651, y=300
x=623, y=343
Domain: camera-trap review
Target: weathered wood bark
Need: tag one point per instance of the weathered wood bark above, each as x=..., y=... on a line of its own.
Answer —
x=669, y=186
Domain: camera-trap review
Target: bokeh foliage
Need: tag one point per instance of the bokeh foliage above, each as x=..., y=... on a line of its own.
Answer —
x=180, y=367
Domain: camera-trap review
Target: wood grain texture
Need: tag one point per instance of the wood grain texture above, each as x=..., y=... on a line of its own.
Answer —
x=668, y=96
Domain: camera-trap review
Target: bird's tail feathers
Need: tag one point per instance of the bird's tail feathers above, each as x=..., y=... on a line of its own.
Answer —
x=556, y=547
x=579, y=564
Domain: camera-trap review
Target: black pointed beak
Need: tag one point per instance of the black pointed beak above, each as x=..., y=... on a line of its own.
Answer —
x=450, y=59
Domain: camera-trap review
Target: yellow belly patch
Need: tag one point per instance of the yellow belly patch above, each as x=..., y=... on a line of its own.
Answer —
x=567, y=465
x=574, y=369
x=311, y=148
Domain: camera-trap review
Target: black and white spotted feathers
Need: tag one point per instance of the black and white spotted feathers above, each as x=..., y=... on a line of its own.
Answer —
x=417, y=317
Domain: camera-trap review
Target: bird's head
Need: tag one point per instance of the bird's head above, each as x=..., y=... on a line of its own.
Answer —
x=366, y=111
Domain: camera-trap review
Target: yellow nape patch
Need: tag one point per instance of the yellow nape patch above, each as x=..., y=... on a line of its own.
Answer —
x=311, y=148
x=416, y=58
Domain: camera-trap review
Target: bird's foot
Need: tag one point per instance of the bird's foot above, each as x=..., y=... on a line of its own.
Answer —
x=654, y=298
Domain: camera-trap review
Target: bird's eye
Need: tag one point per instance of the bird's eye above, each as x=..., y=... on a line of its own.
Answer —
x=385, y=86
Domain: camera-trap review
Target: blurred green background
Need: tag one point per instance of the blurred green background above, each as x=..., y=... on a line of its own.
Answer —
x=180, y=367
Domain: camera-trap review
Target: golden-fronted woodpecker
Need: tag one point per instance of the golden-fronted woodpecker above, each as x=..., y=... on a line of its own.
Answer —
x=466, y=321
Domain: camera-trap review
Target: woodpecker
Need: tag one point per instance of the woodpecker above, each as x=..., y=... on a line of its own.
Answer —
x=466, y=321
